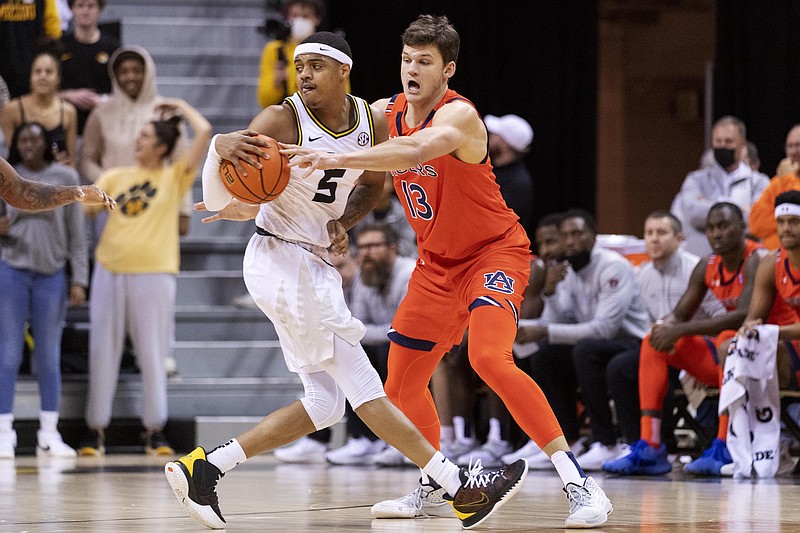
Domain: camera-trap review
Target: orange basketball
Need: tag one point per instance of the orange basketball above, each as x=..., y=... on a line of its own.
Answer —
x=262, y=185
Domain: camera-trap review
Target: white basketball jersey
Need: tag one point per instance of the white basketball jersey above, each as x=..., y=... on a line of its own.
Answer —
x=302, y=211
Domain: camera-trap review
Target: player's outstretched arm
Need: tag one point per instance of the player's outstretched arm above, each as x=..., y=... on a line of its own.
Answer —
x=234, y=210
x=34, y=196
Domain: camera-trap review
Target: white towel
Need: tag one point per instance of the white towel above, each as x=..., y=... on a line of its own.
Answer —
x=750, y=394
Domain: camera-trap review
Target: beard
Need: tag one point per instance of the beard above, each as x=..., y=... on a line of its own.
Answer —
x=376, y=274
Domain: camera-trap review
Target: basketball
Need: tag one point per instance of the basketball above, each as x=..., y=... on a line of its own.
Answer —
x=262, y=185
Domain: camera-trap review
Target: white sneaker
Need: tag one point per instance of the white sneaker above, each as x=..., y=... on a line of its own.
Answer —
x=391, y=456
x=426, y=501
x=588, y=504
x=50, y=444
x=598, y=454
x=455, y=449
x=304, y=450
x=529, y=450
x=489, y=454
x=786, y=462
x=357, y=451
x=8, y=441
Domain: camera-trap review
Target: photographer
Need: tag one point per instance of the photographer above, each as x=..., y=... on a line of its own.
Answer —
x=276, y=79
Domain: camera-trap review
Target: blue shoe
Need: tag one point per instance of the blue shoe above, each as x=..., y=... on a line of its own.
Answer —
x=712, y=460
x=644, y=460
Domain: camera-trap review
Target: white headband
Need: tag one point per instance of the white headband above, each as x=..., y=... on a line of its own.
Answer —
x=323, y=50
x=787, y=209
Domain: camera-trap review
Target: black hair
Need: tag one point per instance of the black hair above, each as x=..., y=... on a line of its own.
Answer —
x=167, y=132
x=317, y=5
x=52, y=52
x=14, y=156
x=331, y=39
x=788, y=197
x=435, y=30
x=389, y=234
x=583, y=214
x=126, y=55
x=674, y=221
x=553, y=219
x=733, y=207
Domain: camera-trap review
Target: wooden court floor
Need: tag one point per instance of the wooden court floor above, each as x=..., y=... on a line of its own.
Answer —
x=128, y=493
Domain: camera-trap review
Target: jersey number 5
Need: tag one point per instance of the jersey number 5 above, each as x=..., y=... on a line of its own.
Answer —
x=326, y=189
x=417, y=200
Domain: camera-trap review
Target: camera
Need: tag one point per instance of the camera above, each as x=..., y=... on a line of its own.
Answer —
x=275, y=27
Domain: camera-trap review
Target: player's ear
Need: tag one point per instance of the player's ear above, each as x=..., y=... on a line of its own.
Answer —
x=450, y=70
x=345, y=71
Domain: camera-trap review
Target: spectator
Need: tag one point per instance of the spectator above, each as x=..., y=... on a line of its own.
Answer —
x=390, y=212
x=510, y=139
x=762, y=217
x=592, y=313
x=85, y=80
x=43, y=105
x=25, y=27
x=691, y=344
x=276, y=78
x=133, y=285
x=34, y=251
x=729, y=179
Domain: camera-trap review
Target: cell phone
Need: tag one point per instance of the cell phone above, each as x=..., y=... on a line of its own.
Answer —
x=59, y=145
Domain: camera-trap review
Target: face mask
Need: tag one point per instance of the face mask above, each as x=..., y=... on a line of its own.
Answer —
x=301, y=28
x=579, y=260
x=725, y=156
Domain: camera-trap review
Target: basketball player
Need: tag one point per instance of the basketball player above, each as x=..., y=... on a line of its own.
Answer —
x=473, y=266
x=778, y=278
x=34, y=196
x=288, y=273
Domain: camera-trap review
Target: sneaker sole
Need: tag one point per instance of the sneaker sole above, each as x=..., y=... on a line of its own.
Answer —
x=445, y=510
x=160, y=451
x=180, y=486
x=507, y=496
x=587, y=524
x=91, y=452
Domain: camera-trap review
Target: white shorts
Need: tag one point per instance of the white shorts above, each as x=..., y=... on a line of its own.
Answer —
x=302, y=296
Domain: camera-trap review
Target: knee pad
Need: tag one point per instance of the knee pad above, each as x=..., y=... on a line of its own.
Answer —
x=324, y=401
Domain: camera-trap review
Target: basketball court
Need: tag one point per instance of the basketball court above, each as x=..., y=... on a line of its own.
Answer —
x=128, y=493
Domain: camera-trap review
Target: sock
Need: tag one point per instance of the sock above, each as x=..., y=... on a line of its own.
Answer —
x=6, y=421
x=48, y=421
x=722, y=428
x=227, y=456
x=447, y=434
x=458, y=428
x=495, y=435
x=568, y=468
x=444, y=472
x=651, y=430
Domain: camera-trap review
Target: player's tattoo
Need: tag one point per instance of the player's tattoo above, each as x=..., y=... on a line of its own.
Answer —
x=31, y=195
x=362, y=200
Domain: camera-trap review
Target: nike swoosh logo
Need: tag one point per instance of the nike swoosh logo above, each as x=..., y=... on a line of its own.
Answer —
x=312, y=139
x=324, y=49
x=466, y=507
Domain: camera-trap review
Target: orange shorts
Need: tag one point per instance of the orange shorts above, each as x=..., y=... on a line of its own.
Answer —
x=435, y=311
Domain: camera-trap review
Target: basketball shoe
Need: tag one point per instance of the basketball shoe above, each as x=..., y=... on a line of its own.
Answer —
x=155, y=443
x=8, y=442
x=490, y=454
x=483, y=492
x=711, y=461
x=643, y=460
x=426, y=501
x=50, y=444
x=304, y=450
x=93, y=445
x=588, y=504
x=194, y=481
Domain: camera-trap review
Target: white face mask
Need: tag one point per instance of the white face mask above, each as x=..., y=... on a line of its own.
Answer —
x=301, y=28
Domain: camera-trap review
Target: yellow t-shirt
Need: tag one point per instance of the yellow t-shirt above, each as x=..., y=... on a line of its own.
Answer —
x=141, y=235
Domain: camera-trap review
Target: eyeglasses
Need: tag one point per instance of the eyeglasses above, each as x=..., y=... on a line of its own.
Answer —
x=368, y=247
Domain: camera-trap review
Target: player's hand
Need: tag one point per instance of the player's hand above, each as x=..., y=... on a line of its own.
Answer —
x=338, y=236
x=77, y=295
x=748, y=329
x=663, y=337
x=91, y=195
x=531, y=334
x=235, y=210
x=554, y=274
x=309, y=159
x=242, y=145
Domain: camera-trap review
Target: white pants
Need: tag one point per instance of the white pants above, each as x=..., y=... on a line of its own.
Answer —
x=144, y=306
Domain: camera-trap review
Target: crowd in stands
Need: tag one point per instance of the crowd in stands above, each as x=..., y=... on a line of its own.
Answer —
x=593, y=328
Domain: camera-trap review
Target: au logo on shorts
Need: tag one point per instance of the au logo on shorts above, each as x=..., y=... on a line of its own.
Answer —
x=499, y=281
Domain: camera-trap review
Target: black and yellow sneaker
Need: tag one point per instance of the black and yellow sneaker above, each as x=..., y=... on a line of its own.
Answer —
x=93, y=445
x=155, y=443
x=194, y=481
x=482, y=491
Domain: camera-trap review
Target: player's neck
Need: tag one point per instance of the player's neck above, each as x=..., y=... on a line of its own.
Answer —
x=339, y=117
x=419, y=110
x=794, y=258
x=732, y=260
x=87, y=34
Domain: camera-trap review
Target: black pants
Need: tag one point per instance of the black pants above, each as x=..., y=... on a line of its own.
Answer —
x=356, y=428
x=592, y=357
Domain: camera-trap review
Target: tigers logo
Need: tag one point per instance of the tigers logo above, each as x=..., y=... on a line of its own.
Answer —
x=500, y=282
x=134, y=202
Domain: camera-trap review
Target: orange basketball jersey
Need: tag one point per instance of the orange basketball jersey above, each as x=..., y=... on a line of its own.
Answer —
x=787, y=284
x=454, y=207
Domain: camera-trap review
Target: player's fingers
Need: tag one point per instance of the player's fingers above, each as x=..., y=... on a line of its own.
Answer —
x=200, y=206
x=212, y=218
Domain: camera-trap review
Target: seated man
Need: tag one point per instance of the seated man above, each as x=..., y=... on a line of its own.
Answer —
x=681, y=342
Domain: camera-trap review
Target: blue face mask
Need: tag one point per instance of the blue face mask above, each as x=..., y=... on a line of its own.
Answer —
x=725, y=156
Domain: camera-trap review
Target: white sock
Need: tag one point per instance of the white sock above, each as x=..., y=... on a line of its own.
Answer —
x=494, y=431
x=227, y=456
x=458, y=427
x=48, y=421
x=568, y=469
x=444, y=472
x=447, y=434
x=6, y=421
